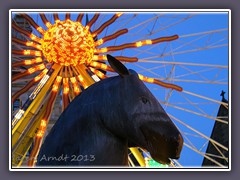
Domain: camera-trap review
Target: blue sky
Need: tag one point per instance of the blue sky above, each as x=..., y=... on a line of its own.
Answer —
x=194, y=46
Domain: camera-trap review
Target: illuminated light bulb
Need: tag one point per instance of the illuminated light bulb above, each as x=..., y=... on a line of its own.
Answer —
x=59, y=79
x=73, y=80
x=37, y=60
x=65, y=86
x=65, y=90
x=26, y=52
x=99, y=42
x=41, y=66
x=29, y=43
x=68, y=43
x=80, y=78
x=39, y=29
x=43, y=123
x=102, y=50
x=55, y=88
x=119, y=14
x=31, y=70
x=138, y=44
x=28, y=62
x=148, y=41
x=40, y=133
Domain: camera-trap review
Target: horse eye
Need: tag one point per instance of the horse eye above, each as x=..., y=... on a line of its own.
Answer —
x=144, y=100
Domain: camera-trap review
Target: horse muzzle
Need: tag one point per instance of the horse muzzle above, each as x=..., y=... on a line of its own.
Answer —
x=163, y=140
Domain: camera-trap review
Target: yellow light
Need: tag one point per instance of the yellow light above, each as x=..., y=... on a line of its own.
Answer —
x=28, y=62
x=26, y=52
x=59, y=79
x=119, y=14
x=55, y=88
x=40, y=30
x=148, y=41
x=38, y=60
x=65, y=86
x=68, y=43
x=40, y=133
x=99, y=42
x=43, y=123
x=138, y=44
x=102, y=50
x=31, y=70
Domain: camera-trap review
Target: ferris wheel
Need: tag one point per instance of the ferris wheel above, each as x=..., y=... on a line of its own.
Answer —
x=181, y=56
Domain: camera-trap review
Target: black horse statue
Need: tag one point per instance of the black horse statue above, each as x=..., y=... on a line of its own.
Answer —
x=100, y=124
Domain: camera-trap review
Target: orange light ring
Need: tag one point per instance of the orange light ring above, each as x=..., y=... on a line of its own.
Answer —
x=80, y=16
x=55, y=16
x=76, y=88
x=101, y=66
x=23, y=90
x=160, y=83
x=120, y=58
x=33, y=23
x=168, y=85
x=82, y=82
x=110, y=37
x=51, y=101
x=27, y=62
x=106, y=24
x=65, y=99
x=42, y=129
x=19, y=75
x=115, y=35
x=27, y=52
x=23, y=31
x=56, y=84
x=26, y=43
x=68, y=16
x=137, y=44
x=40, y=76
x=36, y=68
x=92, y=21
x=45, y=21
x=98, y=73
x=34, y=151
x=164, y=39
x=33, y=61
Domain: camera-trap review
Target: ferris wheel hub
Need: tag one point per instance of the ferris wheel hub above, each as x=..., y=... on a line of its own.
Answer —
x=68, y=43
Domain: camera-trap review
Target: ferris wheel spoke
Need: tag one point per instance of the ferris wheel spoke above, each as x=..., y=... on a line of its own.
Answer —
x=204, y=155
x=203, y=97
x=173, y=24
x=194, y=112
x=196, y=131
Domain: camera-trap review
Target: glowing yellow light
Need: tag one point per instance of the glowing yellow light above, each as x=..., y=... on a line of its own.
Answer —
x=28, y=62
x=43, y=123
x=68, y=43
x=31, y=70
x=99, y=42
x=40, y=30
x=65, y=86
x=73, y=80
x=26, y=52
x=102, y=50
x=138, y=44
x=148, y=42
x=119, y=14
x=40, y=133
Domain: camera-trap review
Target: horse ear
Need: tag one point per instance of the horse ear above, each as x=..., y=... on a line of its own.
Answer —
x=117, y=66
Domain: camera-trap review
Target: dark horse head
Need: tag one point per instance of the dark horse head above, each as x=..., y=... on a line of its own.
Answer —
x=101, y=123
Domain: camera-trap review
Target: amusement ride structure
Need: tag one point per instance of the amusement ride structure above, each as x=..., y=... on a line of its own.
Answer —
x=56, y=56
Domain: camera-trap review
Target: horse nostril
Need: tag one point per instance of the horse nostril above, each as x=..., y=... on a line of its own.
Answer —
x=180, y=144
